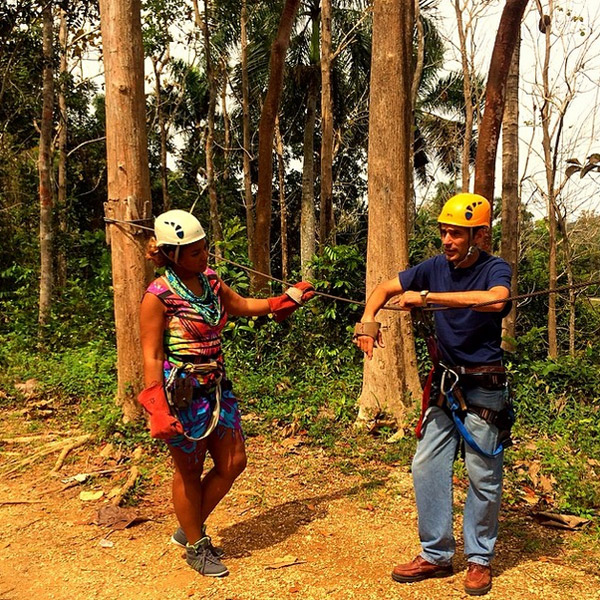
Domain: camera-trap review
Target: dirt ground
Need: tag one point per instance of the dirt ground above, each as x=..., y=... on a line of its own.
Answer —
x=342, y=523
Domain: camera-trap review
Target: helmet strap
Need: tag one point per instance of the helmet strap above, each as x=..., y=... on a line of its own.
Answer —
x=175, y=259
x=470, y=252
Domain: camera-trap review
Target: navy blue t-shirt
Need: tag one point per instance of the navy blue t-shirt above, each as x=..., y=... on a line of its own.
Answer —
x=465, y=336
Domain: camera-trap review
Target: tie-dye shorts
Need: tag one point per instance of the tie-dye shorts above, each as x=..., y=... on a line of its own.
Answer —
x=196, y=417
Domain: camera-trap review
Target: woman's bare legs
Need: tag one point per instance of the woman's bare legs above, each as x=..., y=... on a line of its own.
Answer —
x=194, y=497
x=228, y=451
x=187, y=489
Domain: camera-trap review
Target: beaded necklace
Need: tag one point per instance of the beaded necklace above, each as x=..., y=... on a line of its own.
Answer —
x=207, y=305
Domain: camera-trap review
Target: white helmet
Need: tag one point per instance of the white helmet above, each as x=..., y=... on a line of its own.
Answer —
x=177, y=228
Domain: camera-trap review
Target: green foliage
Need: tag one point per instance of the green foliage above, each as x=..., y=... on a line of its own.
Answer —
x=304, y=370
x=558, y=405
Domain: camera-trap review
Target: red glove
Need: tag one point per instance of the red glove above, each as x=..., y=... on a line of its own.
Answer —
x=163, y=424
x=283, y=306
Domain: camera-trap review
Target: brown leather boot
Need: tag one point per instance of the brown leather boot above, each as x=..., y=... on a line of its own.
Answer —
x=478, y=580
x=419, y=569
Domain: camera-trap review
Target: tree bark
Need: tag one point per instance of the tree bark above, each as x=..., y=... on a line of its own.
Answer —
x=44, y=169
x=162, y=132
x=391, y=378
x=326, y=219
x=495, y=92
x=226, y=121
x=511, y=204
x=213, y=203
x=550, y=189
x=307, y=210
x=128, y=185
x=247, y=150
x=262, y=237
x=468, y=94
x=282, y=206
x=61, y=197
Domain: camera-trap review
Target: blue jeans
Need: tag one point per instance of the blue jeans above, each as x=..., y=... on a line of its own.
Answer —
x=432, y=477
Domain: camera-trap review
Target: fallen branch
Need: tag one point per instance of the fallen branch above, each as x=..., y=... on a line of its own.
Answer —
x=44, y=451
x=26, y=439
x=64, y=453
x=133, y=475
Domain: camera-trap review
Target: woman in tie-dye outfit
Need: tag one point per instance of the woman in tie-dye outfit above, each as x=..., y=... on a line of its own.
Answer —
x=182, y=315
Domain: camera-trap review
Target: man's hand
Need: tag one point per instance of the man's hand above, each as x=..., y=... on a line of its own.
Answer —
x=408, y=300
x=366, y=343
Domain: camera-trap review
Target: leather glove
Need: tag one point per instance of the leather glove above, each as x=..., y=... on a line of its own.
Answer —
x=163, y=425
x=283, y=306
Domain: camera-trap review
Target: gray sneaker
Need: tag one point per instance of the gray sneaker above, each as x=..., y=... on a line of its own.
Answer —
x=200, y=558
x=179, y=539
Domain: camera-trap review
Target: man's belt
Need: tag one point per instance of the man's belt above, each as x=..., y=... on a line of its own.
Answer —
x=479, y=369
x=487, y=376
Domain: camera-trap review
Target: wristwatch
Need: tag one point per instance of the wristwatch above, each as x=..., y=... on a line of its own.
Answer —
x=424, y=294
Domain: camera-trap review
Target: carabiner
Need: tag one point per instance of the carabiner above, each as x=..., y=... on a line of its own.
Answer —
x=443, y=387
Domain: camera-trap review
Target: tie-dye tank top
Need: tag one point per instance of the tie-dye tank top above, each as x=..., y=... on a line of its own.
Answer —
x=187, y=336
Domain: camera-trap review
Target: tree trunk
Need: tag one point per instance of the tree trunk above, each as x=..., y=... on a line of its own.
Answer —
x=307, y=211
x=506, y=40
x=511, y=204
x=44, y=169
x=213, y=204
x=61, y=198
x=226, y=121
x=128, y=185
x=468, y=94
x=550, y=190
x=391, y=378
x=162, y=132
x=568, y=253
x=326, y=221
x=247, y=150
x=282, y=207
x=262, y=236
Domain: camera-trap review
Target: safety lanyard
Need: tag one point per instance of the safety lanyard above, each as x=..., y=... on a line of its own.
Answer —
x=447, y=388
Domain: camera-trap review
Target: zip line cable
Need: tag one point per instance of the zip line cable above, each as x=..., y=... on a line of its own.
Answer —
x=564, y=288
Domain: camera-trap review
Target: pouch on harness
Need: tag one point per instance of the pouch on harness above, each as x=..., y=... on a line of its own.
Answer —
x=179, y=388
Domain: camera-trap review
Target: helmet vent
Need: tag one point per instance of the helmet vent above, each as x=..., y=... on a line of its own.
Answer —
x=469, y=210
x=178, y=230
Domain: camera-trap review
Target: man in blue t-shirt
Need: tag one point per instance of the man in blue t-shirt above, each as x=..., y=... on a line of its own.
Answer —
x=468, y=342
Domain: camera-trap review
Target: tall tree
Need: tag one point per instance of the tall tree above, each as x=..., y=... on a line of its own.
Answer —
x=545, y=113
x=326, y=215
x=391, y=378
x=128, y=184
x=262, y=233
x=465, y=18
x=45, y=168
x=282, y=201
x=307, y=210
x=211, y=184
x=495, y=93
x=61, y=195
x=246, y=146
x=511, y=204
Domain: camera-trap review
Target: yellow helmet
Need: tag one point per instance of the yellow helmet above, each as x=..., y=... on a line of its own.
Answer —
x=466, y=210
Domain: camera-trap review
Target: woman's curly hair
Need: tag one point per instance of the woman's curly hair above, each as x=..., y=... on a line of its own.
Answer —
x=158, y=255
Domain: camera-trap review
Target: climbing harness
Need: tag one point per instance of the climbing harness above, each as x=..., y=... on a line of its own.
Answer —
x=442, y=388
x=456, y=404
x=179, y=388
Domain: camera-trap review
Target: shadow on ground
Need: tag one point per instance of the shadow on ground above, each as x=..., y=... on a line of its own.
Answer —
x=280, y=522
x=521, y=539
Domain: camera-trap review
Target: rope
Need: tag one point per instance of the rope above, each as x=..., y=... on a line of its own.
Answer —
x=564, y=288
